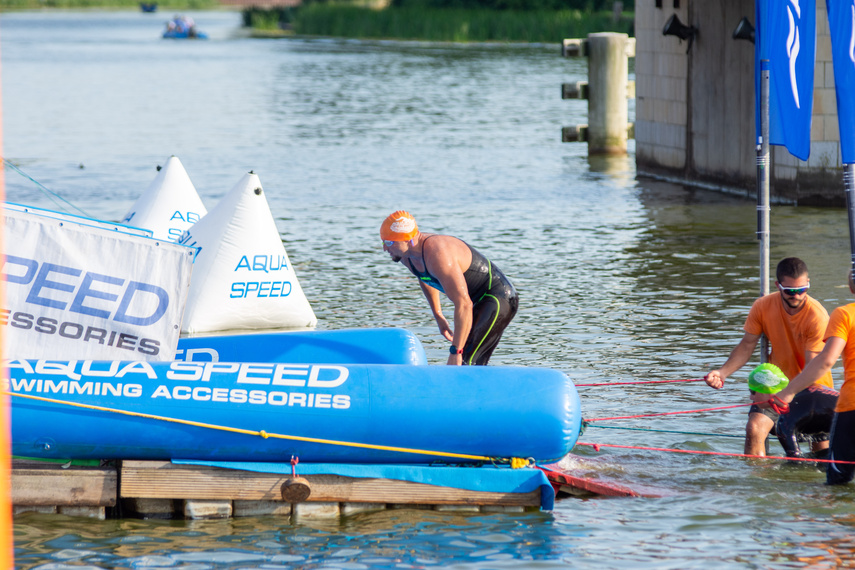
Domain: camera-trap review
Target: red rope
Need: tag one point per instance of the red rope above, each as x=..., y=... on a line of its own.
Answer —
x=597, y=447
x=640, y=382
x=669, y=413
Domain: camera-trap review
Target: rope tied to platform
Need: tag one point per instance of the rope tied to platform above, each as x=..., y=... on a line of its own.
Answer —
x=597, y=446
x=514, y=462
x=641, y=382
x=54, y=197
x=588, y=420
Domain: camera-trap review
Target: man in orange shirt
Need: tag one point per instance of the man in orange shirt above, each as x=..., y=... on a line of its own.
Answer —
x=794, y=323
x=839, y=339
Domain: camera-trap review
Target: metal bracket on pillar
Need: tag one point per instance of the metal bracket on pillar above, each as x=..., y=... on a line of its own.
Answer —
x=578, y=47
x=574, y=47
x=579, y=133
x=578, y=90
x=630, y=47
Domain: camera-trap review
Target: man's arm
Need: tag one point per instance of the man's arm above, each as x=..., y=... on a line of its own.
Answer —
x=446, y=268
x=739, y=356
x=433, y=299
x=810, y=355
x=813, y=371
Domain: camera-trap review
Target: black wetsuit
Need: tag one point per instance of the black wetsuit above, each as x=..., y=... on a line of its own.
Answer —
x=495, y=302
x=842, y=448
x=810, y=415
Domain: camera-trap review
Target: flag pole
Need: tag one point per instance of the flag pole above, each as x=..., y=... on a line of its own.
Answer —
x=763, y=193
x=849, y=187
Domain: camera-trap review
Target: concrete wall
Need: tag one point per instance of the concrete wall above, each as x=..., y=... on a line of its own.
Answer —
x=661, y=96
x=695, y=112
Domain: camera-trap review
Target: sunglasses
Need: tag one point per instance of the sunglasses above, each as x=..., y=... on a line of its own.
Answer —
x=793, y=291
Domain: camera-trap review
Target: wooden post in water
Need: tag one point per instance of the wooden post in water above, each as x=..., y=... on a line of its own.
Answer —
x=606, y=90
x=607, y=109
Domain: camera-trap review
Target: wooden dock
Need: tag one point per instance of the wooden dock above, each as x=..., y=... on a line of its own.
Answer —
x=161, y=489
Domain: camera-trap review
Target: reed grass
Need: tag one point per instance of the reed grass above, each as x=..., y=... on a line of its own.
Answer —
x=455, y=25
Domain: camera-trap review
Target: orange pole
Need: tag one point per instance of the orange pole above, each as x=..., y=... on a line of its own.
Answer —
x=6, y=542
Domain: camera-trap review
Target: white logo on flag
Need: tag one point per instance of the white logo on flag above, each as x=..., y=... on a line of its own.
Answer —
x=852, y=39
x=793, y=46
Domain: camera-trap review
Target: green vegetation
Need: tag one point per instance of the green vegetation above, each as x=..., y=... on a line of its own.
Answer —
x=518, y=5
x=542, y=21
x=454, y=24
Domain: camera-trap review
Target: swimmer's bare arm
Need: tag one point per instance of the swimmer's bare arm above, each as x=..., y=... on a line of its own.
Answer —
x=446, y=267
x=739, y=356
x=433, y=299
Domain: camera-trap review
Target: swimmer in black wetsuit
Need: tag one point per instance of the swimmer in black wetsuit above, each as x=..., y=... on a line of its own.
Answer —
x=484, y=299
x=809, y=417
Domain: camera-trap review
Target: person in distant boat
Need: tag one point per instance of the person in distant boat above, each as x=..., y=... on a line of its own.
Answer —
x=794, y=323
x=484, y=299
x=839, y=339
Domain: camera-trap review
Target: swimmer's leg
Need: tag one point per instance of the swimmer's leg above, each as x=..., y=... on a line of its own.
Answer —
x=759, y=426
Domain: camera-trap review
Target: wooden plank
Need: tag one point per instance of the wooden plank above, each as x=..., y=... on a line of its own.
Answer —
x=163, y=480
x=51, y=485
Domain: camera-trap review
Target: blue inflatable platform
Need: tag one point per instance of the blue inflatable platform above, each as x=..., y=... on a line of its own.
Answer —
x=269, y=412
x=354, y=346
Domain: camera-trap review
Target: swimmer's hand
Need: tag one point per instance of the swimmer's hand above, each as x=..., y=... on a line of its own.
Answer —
x=774, y=401
x=764, y=400
x=761, y=400
x=445, y=328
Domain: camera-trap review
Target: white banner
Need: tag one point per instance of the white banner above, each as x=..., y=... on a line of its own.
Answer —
x=76, y=291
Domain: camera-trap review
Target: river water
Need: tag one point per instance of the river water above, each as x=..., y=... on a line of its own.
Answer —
x=621, y=278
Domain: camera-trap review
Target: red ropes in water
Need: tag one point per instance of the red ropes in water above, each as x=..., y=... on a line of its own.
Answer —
x=669, y=413
x=641, y=382
x=597, y=447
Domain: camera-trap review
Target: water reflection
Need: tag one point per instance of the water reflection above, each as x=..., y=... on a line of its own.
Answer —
x=384, y=538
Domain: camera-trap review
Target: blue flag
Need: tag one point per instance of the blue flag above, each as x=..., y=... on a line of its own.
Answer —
x=786, y=37
x=841, y=21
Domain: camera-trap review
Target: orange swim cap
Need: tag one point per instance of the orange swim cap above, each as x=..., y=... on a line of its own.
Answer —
x=399, y=226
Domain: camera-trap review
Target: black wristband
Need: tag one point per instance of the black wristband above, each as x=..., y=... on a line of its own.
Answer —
x=454, y=350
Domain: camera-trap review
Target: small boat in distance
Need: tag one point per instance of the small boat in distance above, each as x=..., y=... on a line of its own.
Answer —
x=148, y=7
x=183, y=27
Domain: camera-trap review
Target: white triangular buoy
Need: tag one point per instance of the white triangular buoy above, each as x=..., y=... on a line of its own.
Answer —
x=242, y=276
x=169, y=206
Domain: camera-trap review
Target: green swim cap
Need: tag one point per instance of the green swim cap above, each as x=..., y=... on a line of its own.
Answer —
x=767, y=379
